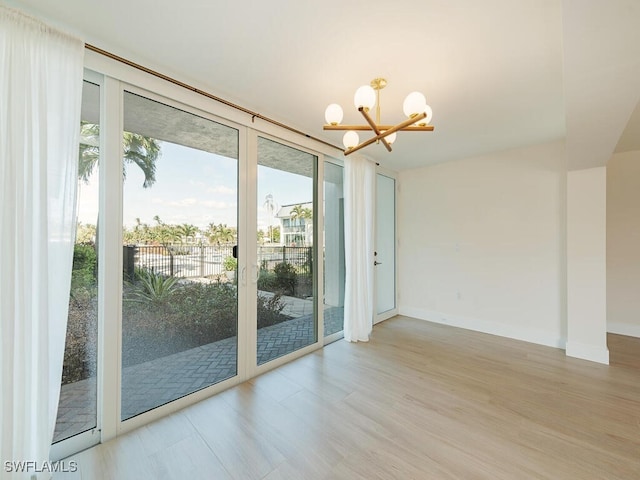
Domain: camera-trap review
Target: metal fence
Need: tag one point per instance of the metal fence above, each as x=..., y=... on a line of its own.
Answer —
x=191, y=261
x=300, y=257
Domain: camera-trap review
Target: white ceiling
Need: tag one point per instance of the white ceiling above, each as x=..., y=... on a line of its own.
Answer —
x=492, y=70
x=630, y=139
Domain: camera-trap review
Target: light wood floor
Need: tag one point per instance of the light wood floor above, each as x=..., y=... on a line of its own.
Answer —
x=420, y=401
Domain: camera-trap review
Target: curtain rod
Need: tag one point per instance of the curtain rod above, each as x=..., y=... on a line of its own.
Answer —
x=167, y=78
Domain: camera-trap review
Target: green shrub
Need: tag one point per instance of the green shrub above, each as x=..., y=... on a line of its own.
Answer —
x=154, y=288
x=81, y=340
x=197, y=314
x=267, y=281
x=230, y=263
x=308, y=263
x=83, y=274
x=285, y=278
x=84, y=257
x=270, y=310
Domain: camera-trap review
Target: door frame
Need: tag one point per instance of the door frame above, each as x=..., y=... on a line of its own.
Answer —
x=379, y=317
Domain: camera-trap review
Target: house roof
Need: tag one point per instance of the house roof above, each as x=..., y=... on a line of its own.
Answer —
x=285, y=210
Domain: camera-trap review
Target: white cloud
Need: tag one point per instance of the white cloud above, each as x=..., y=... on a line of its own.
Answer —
x=222, y=190
x=185, y=202
x=216, y=204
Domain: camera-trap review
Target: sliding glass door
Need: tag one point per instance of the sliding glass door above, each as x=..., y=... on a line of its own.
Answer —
x=180, y=219
x=286, y=318
x=334, y=260
x=77, y=409
x=196, y=261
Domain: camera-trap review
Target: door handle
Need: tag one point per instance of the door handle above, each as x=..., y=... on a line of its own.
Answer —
x=376, y=263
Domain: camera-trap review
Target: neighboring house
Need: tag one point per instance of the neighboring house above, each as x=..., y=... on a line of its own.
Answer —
x=296, y=224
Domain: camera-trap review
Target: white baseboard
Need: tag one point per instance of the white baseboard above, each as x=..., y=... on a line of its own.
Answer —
x=624, y=329
x=530, y=335
x=594, y=353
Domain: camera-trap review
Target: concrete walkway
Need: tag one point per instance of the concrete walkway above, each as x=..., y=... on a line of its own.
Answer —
x=154, y=383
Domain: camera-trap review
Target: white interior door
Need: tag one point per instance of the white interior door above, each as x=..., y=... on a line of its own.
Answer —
x=385, y=247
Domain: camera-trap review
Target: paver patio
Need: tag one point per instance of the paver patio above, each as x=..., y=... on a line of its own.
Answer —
x=150, y=384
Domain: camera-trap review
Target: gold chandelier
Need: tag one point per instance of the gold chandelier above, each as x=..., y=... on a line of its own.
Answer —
x=415, y=107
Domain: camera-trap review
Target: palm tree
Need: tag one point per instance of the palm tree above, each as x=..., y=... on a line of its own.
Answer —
x=220, y=233
x=163, y=233
x=270, y=206
x=143, y=151
x=86, y=233
x=211, y=232
x=299, y=211
x=274, y=234
x=89, y=149
x=226, y=234
x=187, y=231
x=137, y=149
x=303, y=213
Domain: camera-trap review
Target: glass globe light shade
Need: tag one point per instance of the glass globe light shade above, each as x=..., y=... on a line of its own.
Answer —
x=365, y=97
x=350, y=139
x=414, y=104
x=391, y=138
x=333, y=114
x=426, y=120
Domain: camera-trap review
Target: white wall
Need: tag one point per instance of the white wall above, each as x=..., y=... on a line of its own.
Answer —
x=482, y=243
x=623, y=244
x=586, y=264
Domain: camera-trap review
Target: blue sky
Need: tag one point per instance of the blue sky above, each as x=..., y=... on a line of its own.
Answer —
x=194, y=187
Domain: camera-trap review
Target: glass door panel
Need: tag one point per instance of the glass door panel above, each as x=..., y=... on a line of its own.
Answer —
x=286, y=318
x=334, y=265
x=78, y=397
x=385, y=256
x=180, y=218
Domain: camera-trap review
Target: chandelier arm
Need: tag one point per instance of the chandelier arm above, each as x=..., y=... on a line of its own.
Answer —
x=374, y=127
x=347, y=127
x=400, y=126
x=426, y=128
x=362, y=145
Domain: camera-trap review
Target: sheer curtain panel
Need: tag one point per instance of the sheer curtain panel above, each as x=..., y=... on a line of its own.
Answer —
x=359, y=201
x=40, y=94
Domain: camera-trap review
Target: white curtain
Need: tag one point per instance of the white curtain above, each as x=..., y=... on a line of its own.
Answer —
x=40, y=95
x=359, y=203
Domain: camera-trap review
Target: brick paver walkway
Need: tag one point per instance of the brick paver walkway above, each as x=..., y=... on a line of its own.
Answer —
x=150, y=384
